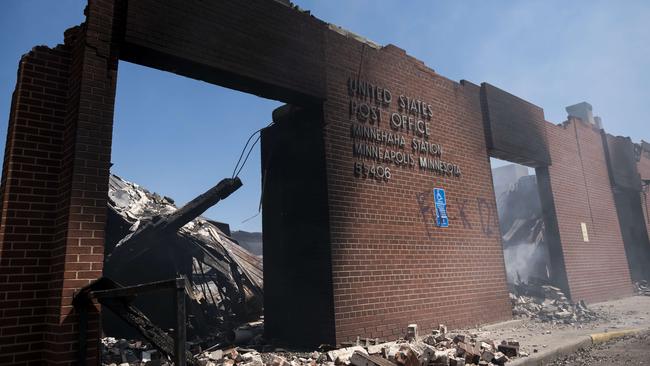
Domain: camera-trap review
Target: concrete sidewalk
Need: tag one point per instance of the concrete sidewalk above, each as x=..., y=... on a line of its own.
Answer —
x=544, y=341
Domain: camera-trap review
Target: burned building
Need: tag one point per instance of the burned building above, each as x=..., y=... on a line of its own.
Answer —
x=226, y=280
x=379, y=208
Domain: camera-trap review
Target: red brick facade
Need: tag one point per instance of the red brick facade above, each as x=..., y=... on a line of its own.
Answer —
x=54, y=192
x=30, y=200
x=596, y=270
x=391, y=265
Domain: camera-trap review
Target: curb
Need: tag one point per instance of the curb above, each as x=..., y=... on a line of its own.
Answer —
x=548, y=355
x=571, y=347
x=598, y=338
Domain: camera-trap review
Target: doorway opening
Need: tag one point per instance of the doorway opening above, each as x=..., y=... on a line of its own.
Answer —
x=525, y=246
x=182, y=145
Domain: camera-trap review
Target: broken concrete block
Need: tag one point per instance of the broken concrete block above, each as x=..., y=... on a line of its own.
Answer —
x=441, y=358
x=252, y=359
x=375, y=349
x=430, y=340
x=442, y=328
x=442, y=338
x=487, y=356
x=459, y=338
x=343, y=355
x=381, y=348
x=424, y=352
x=278, y=361
x=362, y=359
x=406, y=356
x=471, y=353
x=508, y=350
x=512, y=342
x=456, y=361
x=216, y=355
x=499, y=358
x=411, y=332
x=391, y=351
x=486, y=346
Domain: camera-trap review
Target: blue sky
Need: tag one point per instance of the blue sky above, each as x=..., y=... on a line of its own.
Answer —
x=179, y=136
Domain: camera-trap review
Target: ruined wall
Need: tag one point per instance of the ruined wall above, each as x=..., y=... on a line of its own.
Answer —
x=29, y=201
x=296, y=231
x=596, y=270
x=391, y=264
x=259, y=46
x=622, y=156
x=514, y=128
x=54, y=191
x=643, y=167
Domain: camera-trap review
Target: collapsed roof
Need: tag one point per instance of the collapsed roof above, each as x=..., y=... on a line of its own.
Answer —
x=150, y=239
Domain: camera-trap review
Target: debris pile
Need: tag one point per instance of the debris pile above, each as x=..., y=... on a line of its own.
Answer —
x=550, y=304
x=439, y=348
x=147, y=230
x=642, y=288
x=120, y=352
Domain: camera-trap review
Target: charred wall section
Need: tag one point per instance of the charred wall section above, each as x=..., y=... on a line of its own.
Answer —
x=298, y=301
x=622, y=157
x=514, y=128
x=558, y=275
x=260, y=47
x=643, y=168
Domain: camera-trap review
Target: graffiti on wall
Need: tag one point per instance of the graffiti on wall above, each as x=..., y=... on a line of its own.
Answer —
x=459, y=214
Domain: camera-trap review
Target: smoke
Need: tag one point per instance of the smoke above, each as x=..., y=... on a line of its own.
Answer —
x=525, y=261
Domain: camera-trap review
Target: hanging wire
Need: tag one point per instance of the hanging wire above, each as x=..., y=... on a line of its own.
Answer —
x=238, y=168
x=247, y=155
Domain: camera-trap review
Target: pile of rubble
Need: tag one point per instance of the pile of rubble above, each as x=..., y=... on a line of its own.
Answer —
x=439, y=348
x=147, y=230
x=552, y=306
x=123, y=352
x=642, y=288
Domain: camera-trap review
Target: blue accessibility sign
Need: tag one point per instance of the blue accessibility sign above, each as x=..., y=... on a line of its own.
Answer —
x=441, y=207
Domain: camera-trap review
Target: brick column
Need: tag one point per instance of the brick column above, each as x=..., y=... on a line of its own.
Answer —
x=29, y=198
x=54, y=191
x=79, y=240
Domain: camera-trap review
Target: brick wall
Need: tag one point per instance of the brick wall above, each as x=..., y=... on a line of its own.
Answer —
x=391, y=265
x=29, y=200
x=596, y=270
x=514, y=128
x=257, y=46
x=54, y=191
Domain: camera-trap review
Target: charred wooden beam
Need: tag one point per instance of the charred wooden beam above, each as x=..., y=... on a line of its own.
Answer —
x=140, y=241
x=117, y=299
